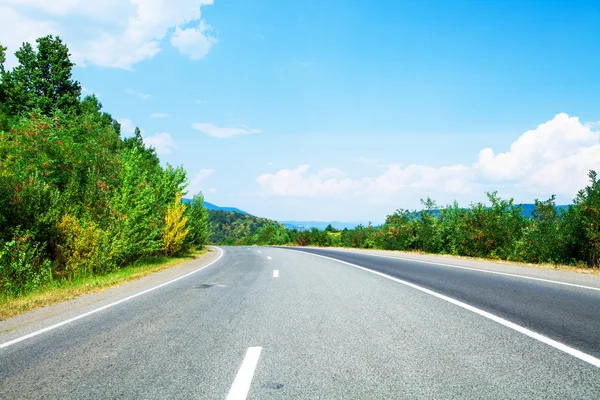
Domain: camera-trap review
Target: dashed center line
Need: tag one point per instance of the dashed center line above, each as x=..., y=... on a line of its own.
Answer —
x=258, y=251
x=241, y=384
x=269, y=257
x=275, y=273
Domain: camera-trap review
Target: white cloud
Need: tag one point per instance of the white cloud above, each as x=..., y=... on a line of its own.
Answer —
x=554, y=158
x=111, y=33
x=223, y=132
x=161, y=142
x=143, y=96
x=212, y=190
x=16, y=29
x=159, y=115
x=127, y=127
x=196, y=182
x=298, y=182
x=421, y=180
x=193, y=42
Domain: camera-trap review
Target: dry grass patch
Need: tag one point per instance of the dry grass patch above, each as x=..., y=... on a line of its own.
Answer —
x=63, y=290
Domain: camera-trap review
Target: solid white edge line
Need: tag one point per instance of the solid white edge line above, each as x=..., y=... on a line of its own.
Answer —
x=241, y=385
x=87, y=314
x=275, y=273
x=474, y=269
x=551, y=342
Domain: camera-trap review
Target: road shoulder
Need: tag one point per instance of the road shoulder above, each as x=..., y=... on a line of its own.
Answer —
x=39, y=318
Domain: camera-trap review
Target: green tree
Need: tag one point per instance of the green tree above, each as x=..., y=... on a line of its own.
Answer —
x=137, y=226
x=4, y=120
x=542, y=239
x=43, y=79
x=399, y=232
x=588, y=202
x=197, y=221
x=427, y=234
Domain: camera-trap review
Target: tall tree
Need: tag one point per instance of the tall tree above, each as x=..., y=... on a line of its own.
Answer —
x=588, y=202
x=2, y=57
x=3, y=120
x=43, y=79
x=198, y=221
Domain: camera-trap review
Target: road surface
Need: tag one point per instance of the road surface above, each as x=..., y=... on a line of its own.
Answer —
x=263, y=322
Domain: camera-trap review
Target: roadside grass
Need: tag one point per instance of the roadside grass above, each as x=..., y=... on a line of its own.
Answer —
x=62, y=290
x=578, y=268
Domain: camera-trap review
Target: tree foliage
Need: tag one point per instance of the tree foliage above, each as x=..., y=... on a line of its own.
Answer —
x=497, y=229
x=77, y=199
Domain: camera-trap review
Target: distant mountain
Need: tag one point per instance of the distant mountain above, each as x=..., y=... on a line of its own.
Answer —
x=306, y=225
x=213, y=207
x=210, y=206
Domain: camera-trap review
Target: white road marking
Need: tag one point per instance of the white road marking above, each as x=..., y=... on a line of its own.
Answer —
x=87, y=314
x=275, y=273
x=258, y=251
x=241, y=384
x=479, y=270
x=269, y=257
x=544, y=339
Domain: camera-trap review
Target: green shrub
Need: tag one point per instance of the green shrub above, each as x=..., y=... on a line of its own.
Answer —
x=23, y=267
x=83, y=250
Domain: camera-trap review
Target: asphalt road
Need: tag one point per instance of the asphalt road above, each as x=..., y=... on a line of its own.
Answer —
x=282, y=323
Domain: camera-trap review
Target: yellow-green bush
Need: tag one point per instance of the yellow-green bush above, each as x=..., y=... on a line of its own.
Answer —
x=83, y=250
x=174, y=232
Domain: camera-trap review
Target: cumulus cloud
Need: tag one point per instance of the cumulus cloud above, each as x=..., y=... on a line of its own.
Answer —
x=193, y=42
x=554, y=158
x=111, y=33
x=223, y=132
x=161, y=142
x=456, y=179
x=16, y=29
x=196, y=182
x=299, y=182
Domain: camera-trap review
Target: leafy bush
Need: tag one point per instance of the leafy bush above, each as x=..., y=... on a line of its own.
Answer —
x=23, y=267
x=83, y=250
x=174, y=232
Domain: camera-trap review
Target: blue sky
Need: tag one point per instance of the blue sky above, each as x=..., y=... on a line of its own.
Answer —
x=343, y=110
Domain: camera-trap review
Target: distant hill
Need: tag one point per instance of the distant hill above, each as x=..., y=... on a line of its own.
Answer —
x=213, y=207
x=228, y=227
x=321, y=225
x=210, y=206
